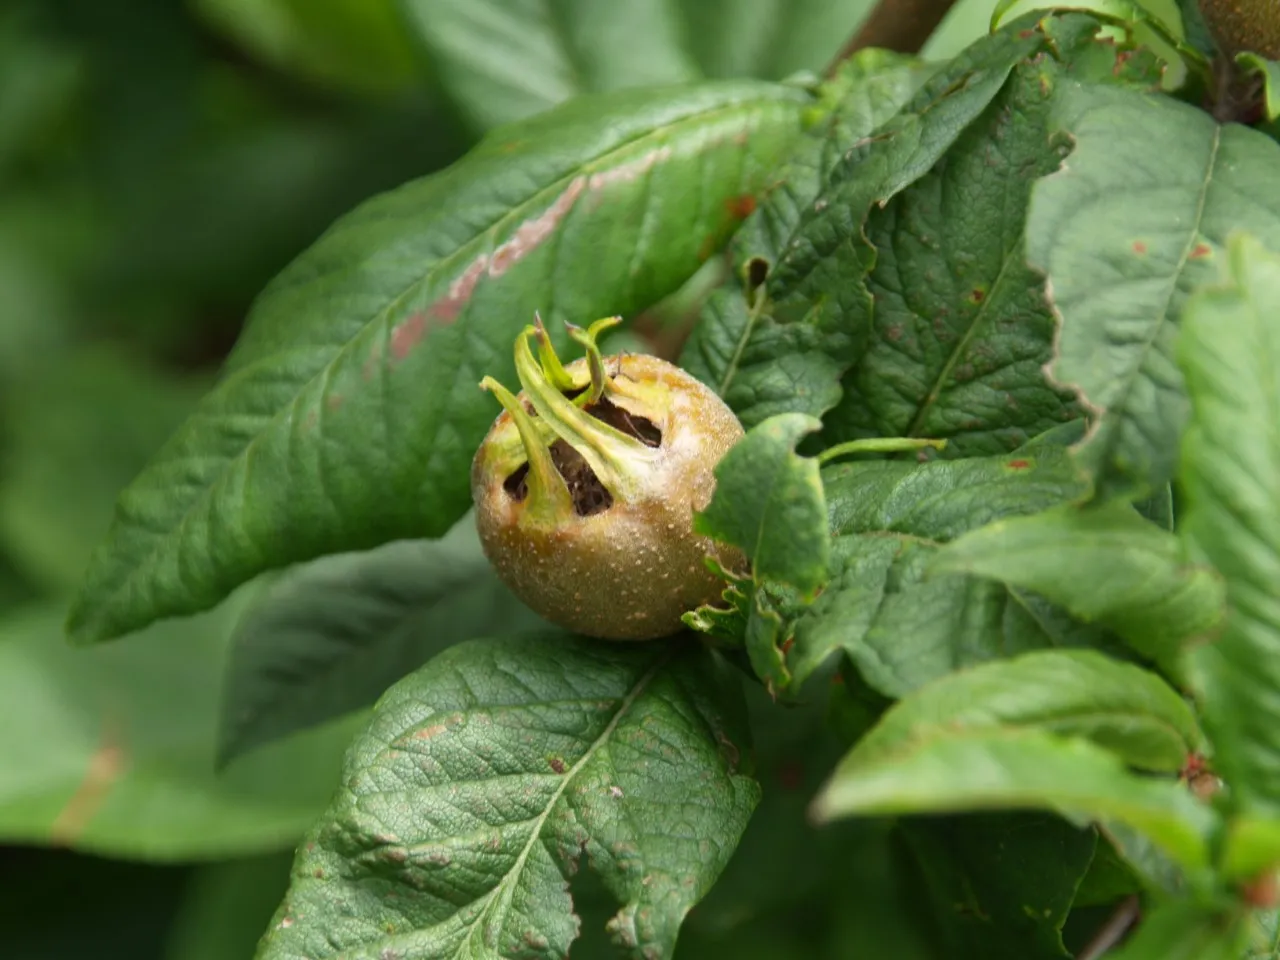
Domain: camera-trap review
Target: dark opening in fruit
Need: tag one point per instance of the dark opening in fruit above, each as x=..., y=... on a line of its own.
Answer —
x=586, y=486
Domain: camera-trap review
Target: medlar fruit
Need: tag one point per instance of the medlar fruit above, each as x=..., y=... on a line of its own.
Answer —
x=587, y=483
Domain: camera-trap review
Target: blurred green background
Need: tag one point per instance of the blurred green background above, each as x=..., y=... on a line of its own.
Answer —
x=160, y=161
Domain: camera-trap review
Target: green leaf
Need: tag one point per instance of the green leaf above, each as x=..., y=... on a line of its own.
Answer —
x=1265, y=936
x=1269, y=70
x=814, y=323
x=1178, y=932
x=112, y=751
x=487, y=774
x=1003, y=769
x=943, y=499
x=1109, y=878
x=1001, y=885
x=348, y=413
x=503, y=60
x=1104, y=564
x=958, y=326
x=1080, y=693
x=352, y=44
x=759, y=366
x=901, y=629
x=1229, y=352
x=1123, y=240
x=329, y=637
x=768, y=502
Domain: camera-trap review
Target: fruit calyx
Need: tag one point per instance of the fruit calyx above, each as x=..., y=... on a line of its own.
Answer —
x=583, y=435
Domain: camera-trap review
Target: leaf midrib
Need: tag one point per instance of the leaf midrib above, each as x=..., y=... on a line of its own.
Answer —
x=979, y=320
x=141, y=568
x=1133, y=370
x=535, y=834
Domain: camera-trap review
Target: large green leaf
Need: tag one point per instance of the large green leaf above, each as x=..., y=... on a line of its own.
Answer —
x=993, y=769
x=503, y=60
x=486, y=775
x=1230, y=352
x=769, y=503
x=786, y=352
x=1122, y=707
x=348, y=413
x=959, y=330
x=761, y=367
x=1133, y=222
x=1106, y=564
x=329, y=637
x=112, y=750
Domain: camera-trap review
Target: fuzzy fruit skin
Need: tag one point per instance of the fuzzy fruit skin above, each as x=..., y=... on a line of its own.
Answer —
x=1239, y=25
x=629, y=572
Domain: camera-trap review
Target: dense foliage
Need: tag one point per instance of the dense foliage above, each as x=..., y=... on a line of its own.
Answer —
x=1002, y=679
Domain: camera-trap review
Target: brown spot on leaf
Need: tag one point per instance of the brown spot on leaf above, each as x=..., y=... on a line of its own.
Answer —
x=557, y=764
x=1200, y=251
x=534, y=232
x=407, y=335
x=447, y=308
x=334, y=400
x=977, y=295
x=1139, y=247
x=1018, y=464
x=741, y=207
x=105, y=768
x=627, y=172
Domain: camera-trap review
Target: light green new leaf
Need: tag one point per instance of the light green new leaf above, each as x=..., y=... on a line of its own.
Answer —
x=486, y=776
x=329, y=637
x=1106, y=564
x=1134, y=221
x=1007, y=769
x=768, y=502
x=1122, y=707
x=1269, y=70
x=111, y=750
x=349, y=412
x=1230, y=353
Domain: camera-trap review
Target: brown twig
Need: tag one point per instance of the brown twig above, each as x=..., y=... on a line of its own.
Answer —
x=899, y=25
x=1113, y=931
